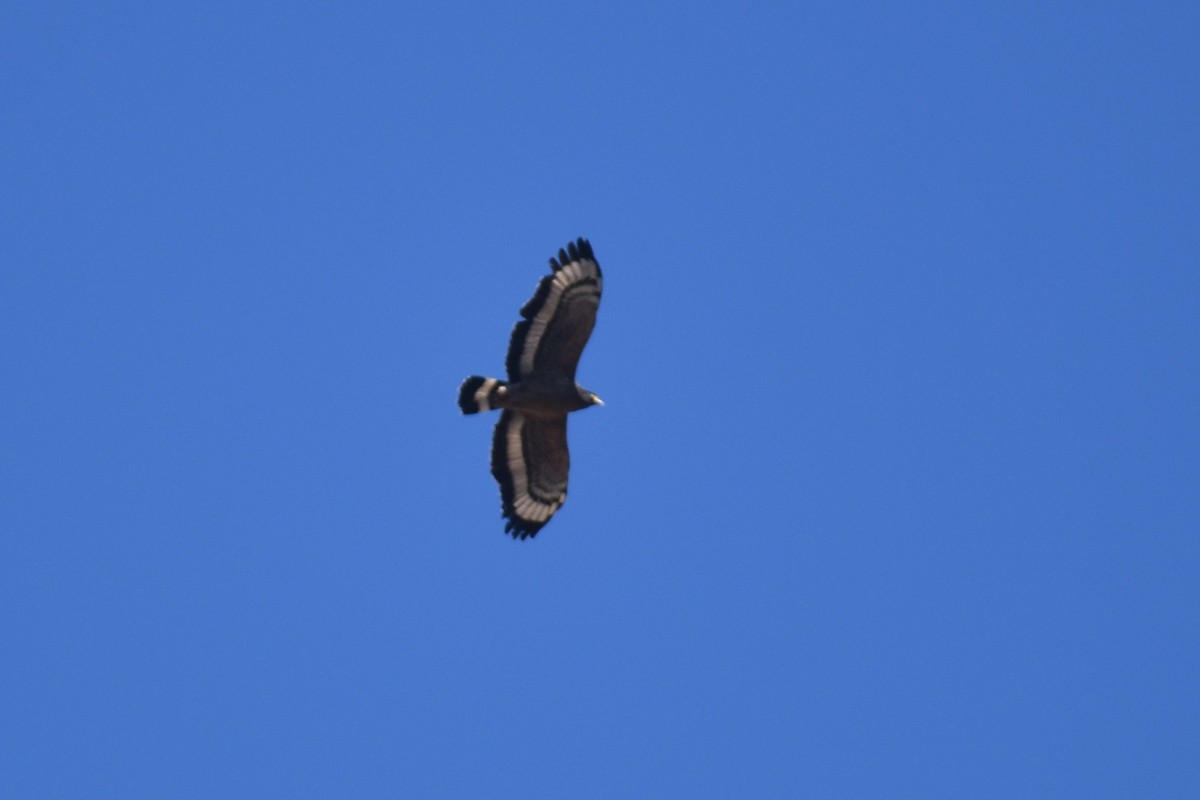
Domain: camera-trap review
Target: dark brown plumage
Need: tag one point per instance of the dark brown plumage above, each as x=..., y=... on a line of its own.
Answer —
x=530, y=459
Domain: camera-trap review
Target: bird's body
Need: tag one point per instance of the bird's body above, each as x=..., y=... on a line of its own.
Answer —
x=535, y=397
x=530, y=459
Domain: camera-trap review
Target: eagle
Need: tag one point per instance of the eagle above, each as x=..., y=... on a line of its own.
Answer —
x=529, y=447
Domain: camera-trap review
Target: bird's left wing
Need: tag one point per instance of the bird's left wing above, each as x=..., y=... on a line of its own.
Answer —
x=530, y=462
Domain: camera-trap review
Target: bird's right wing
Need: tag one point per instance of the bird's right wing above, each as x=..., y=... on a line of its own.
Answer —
x=559, y=318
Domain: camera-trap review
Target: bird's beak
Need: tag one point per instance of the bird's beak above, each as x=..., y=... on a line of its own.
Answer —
x=596, y=399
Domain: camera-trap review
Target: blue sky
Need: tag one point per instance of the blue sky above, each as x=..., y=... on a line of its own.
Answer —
x=897, y=488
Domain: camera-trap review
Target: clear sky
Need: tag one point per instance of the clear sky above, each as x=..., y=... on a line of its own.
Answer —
x=897, y=488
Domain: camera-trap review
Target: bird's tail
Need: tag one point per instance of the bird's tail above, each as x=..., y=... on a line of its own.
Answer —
x=480, y=394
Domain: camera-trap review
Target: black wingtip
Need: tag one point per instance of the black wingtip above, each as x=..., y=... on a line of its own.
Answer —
x=519, y=529
x=574, y=251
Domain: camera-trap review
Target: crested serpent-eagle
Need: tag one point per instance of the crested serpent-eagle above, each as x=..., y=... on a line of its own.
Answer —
x=529, y=447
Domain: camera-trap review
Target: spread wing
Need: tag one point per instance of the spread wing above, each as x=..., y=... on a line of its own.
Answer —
x=530, y=462
x=559, y=318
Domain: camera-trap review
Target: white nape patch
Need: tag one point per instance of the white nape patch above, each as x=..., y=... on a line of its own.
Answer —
x=569, y=275
x=481, y=394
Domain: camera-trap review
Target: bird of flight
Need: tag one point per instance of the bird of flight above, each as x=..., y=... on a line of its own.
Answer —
x=530, y=459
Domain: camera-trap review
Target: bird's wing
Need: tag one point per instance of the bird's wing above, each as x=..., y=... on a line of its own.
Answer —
x=558, y=319
x=530, y=462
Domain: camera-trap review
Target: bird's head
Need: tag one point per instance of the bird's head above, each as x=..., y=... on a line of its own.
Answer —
x=589, y=398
